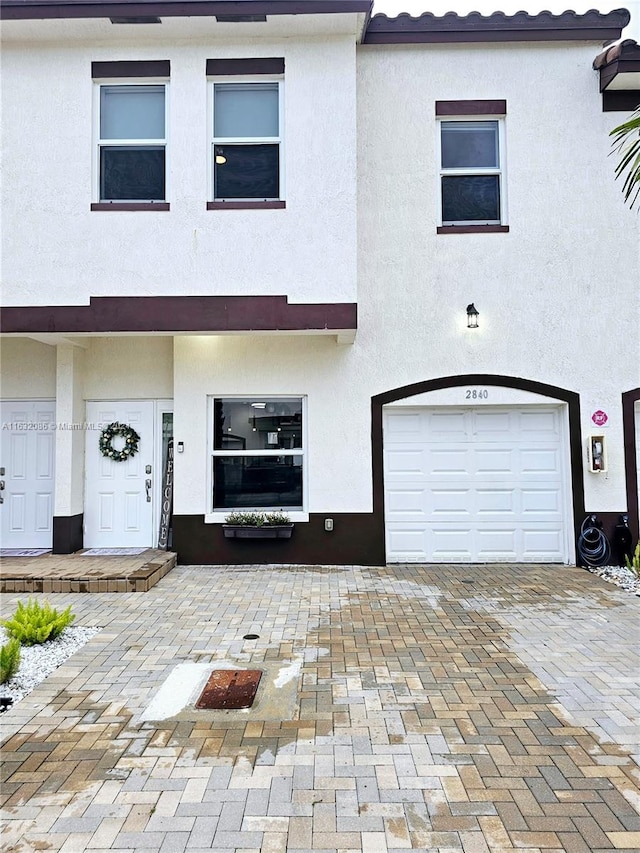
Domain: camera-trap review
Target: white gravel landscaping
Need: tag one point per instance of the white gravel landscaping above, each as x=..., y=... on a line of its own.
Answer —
x=620, y=576
x=37, y=662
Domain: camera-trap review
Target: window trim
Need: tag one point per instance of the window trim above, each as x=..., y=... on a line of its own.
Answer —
x=217, y=203
x=472, y=226
x=99, y=203
x=218, y=516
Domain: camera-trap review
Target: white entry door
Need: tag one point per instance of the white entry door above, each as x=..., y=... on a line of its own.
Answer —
x=476, y=485
x=118, y=495
x=27, y=455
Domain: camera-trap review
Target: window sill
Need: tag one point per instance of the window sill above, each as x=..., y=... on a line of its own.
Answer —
x=472, y=229
x=130, y=205
x=246, y=205
x=219, y=517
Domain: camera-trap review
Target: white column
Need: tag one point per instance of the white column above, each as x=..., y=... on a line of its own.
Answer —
x=70, y=435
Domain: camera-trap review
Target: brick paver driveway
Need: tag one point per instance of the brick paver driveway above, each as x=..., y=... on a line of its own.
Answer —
x=453, y=709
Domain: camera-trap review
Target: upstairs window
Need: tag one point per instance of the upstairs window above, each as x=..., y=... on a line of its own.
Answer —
x=258, y=453
x=471, y=172
x=246, y=147
x=132, y=143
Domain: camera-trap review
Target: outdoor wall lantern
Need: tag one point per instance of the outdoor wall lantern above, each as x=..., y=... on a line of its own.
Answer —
x=472, y=316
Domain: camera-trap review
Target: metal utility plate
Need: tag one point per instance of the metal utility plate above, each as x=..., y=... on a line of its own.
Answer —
x=230, y=689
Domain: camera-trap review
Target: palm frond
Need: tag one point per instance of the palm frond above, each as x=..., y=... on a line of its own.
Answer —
x=626, y=143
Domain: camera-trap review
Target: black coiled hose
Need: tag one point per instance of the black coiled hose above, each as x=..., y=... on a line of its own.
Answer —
x=593, y=546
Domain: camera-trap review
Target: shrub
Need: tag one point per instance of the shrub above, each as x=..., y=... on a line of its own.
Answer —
x=9, y=660
x=257, y=519
x=36, y=623
x=633, y=564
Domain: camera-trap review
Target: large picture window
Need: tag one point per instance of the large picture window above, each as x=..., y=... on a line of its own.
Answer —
x=258, y=453
x=132, y=143
x=246, y=141
x=471, y=172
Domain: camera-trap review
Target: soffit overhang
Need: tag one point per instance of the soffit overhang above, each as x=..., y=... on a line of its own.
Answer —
x=53, y=20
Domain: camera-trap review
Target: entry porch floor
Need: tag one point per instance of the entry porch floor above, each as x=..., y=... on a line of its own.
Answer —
x=79, y=573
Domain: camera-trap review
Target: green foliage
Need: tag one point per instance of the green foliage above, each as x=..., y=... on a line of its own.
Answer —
x=626, y=142
x=9, y=660
x=36, y=623
x=633, y=564
x=257, y=519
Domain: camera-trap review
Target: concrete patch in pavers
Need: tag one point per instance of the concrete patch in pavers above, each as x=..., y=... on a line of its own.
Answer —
x=276, y=698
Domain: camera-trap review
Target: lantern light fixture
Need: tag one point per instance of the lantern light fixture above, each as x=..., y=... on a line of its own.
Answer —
x=472, y=316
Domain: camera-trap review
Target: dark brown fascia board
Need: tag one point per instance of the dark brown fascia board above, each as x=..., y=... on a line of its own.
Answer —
x=171, y=314
x=498, y=27
x=45, y=9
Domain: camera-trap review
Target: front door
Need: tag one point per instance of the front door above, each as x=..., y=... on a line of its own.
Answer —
x=118, y=495
x=27, y=454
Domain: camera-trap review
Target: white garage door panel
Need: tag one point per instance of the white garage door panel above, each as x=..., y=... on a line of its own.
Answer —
x=475, y=485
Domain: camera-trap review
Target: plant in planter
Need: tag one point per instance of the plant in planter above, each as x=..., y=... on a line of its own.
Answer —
x=257, y=525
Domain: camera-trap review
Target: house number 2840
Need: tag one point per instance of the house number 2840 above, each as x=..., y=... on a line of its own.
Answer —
x=476, y=394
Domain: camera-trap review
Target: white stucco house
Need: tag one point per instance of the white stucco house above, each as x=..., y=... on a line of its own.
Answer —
x=374, y=272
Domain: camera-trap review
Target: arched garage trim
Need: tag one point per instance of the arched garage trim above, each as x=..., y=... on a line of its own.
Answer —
x=629, y=399
x=571, y=398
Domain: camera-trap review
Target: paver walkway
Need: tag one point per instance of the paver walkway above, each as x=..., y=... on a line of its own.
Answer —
x=474, y=709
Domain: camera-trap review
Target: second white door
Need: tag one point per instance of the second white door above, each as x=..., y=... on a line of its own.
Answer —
x=118, y=495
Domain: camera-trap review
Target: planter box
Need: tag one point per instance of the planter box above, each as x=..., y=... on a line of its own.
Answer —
x=246, y=531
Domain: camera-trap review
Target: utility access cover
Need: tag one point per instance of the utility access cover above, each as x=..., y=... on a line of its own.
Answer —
x=230, y=689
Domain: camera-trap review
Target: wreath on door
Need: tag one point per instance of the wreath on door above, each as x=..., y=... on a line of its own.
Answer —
x=131, y=442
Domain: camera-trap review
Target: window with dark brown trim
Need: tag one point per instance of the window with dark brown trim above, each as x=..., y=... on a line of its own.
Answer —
x=471, y=166
x=131, y=135
x=246, y=133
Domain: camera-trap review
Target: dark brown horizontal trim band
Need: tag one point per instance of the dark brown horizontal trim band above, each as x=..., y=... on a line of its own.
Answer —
x=181, y=314
x=45, y=9
x=472, y=229
x=471, y=108
x=131, y=68
x=246, y=205
x=620, y=100
x=130, y=205
x=427, y=28
x=260, y=65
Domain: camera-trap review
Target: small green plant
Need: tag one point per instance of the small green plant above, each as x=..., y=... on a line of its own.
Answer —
x=9, y=660
x=633, y=564
x=257, y=519
x=36, y=623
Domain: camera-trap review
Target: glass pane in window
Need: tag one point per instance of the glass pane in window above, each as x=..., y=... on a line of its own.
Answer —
x=471, y=198
x=132, y=112
x=265, y=482
x=129, y=173
x=245, y=109
x=257, y=424
x=468, y=144
x=250, y=171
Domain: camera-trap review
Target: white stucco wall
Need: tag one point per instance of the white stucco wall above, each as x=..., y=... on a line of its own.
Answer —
x=307, y=252
x=129, y=368
x=27, y=369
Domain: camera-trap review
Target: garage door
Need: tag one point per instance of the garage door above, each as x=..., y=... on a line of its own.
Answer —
x=475, y=485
